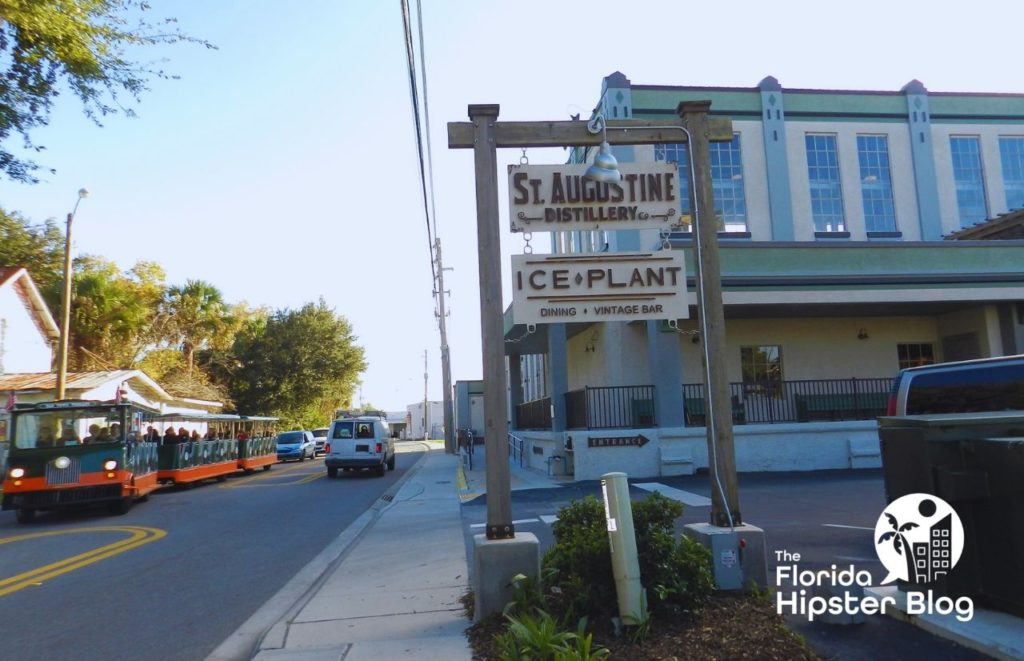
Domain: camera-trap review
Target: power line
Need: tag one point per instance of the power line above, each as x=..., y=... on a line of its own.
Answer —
x=414, y=97
x=430, y=213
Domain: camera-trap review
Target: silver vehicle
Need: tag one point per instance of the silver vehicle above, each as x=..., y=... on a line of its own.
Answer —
x=320, y=441
x=363, y=442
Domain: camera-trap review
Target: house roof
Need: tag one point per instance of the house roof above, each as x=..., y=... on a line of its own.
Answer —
x=1008, y=225
x=42, y=381
x=19, y=278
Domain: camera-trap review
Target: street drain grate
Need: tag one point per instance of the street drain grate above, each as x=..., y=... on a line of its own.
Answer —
x=443, y=482
x=388, y=497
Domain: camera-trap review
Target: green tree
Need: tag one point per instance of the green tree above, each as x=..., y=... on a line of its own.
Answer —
x=299, y=365
x=40, y=248
x=82, y=44
x=196, y=315
x=113, y=314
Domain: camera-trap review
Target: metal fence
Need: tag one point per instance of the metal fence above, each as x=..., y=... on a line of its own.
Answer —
x=535, y=414
x=611, y=407
x=515, y=449
x=794, y=401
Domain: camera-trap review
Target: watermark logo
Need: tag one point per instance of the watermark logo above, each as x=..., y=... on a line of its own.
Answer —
x=919, y=538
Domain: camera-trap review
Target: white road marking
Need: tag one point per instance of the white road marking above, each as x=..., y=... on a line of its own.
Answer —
x=839, y=525
x=516, y=522
x=685, y=497
x=549, y=518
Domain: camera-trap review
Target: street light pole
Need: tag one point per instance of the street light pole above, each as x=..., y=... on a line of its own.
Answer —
x=65, y=319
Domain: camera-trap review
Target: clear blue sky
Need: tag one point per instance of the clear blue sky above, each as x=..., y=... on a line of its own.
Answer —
x=282, y=167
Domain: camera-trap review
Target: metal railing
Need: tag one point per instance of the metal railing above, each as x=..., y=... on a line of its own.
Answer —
x=610, y=407
x=535, y=414
x=515, y=449
x=806, y=400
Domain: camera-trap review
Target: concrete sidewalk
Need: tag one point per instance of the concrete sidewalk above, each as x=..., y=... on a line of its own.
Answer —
x=394, y=592
x=473, y=478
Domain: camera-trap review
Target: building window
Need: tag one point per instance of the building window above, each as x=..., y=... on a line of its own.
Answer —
x=876, y=183
x=914, y=355
x=969, y=179
x=826, y=191
x=762, y=368
x=1011, y=151
x=726, y=181
x=679, y=154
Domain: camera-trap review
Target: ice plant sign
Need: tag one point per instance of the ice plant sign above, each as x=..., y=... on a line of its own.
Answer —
x=620, y=286
x=558, y=198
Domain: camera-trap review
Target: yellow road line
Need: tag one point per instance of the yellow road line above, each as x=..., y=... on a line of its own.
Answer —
x=304, y=480
x=138, y=536
x=265, y=475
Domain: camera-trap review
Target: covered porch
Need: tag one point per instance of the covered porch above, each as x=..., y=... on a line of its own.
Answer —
x=810, y=354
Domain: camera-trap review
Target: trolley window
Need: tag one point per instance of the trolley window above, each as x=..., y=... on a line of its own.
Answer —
x=62, y=428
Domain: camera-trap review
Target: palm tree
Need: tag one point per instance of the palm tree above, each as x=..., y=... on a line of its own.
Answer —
x=899, y=542
x=197, y=314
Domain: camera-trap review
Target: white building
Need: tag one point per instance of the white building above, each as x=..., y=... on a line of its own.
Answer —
x=430, y=418
x=832, y=208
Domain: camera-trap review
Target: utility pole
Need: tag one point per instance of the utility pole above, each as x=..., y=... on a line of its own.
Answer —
x=725, y=500
x=446, y=367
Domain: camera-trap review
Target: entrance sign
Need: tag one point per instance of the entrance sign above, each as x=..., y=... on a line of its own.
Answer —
x=557, y=198
x=617, y=441
x=621, y=286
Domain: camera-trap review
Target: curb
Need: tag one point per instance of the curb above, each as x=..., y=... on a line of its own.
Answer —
x=267, y=628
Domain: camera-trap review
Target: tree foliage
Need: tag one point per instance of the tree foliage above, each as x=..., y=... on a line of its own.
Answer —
x=82, y=44
x=197, y=316
x=40, y=248
x=299, y=365
x=113, y=314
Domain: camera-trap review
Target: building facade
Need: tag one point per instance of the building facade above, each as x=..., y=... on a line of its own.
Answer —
x=832, y=207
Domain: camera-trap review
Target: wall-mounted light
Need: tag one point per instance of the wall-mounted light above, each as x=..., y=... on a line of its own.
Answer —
x=590, y=346
x=862, y=334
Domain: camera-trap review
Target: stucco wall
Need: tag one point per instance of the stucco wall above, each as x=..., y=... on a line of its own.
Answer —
x=828, y=348
x=22, y=347
x=759, y=448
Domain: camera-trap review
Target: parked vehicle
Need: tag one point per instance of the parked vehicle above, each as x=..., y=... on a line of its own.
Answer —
x=362, y=442
x=989, y=384
x=320, y=440
x=295, y=445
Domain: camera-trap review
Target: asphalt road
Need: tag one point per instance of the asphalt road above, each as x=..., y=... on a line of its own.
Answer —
x=181, y=572
x=828, y=517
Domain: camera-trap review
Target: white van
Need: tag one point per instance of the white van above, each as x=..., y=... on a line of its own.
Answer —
x=363, y=442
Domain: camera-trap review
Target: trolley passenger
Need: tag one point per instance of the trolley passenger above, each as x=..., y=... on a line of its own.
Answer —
x=94, y=431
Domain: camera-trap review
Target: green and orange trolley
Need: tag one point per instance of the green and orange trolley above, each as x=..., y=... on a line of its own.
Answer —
x=232, y=443
x=77, y=452
x=71, y=453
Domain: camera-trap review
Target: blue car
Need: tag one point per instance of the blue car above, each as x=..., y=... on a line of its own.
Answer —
x=295, y=445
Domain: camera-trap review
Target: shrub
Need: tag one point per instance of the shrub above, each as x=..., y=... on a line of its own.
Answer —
x=676, y=575
x=579, y=562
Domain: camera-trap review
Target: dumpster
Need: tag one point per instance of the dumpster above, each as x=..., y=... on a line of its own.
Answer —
x=975, y=462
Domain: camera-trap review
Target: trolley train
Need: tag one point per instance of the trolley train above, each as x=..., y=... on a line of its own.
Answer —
x=77, y=452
